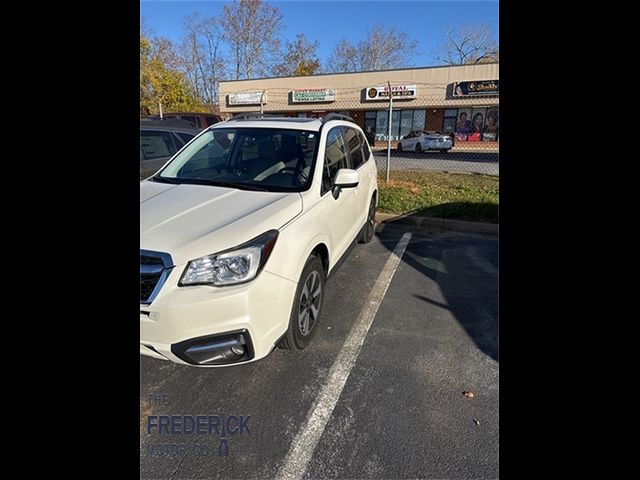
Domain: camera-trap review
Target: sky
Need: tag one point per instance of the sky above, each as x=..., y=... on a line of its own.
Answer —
x=329, y=21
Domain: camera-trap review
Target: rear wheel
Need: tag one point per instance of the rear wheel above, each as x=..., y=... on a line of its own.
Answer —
x=366, y=234
x=444, y=150
x=307, y=305
x=418, y=147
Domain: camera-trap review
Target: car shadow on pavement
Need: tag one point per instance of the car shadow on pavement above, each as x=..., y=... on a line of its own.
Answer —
x=470, y=211
x=465, y=268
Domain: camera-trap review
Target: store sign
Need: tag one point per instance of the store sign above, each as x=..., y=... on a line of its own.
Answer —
x=247, y=98
x=310, y=95
x=476, y=88
x=398, y=92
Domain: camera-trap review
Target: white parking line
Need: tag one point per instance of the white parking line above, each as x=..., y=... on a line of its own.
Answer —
x=304, y=443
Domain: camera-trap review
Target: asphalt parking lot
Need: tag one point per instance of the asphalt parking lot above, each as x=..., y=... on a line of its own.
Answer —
x=401, y=412
x=454, y=161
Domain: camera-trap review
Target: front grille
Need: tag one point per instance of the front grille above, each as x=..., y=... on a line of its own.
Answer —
x=147, y=260
x=154, y=269
x=147, y=283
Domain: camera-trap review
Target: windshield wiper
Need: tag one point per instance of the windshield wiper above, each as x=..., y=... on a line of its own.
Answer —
x=239, y=186
x=212, y=183
x=159, y=179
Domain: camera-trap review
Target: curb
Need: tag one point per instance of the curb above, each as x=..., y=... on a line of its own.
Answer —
x=443, y=223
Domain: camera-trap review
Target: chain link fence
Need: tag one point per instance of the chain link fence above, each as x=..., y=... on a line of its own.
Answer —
x=435, y=132
x=436, y=154
x=460, y=139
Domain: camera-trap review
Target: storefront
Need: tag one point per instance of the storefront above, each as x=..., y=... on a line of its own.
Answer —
x=461, y=99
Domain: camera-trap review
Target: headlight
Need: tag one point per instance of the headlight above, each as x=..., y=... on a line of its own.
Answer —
x=237, y=265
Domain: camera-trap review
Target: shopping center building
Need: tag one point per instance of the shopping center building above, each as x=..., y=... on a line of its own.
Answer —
x=460, y=99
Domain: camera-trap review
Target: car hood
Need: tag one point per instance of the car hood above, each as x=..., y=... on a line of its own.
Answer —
x=189, y=221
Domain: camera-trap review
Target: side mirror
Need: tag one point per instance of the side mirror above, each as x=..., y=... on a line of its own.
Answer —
x=345, y=178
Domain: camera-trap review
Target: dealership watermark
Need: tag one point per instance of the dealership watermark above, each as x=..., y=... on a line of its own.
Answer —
x=172, y=434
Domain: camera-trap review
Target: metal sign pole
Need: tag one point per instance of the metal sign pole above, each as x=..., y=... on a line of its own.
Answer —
x=389, y=132
x=261, y=102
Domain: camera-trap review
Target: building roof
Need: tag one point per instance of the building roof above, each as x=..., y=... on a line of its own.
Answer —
x=362, y=72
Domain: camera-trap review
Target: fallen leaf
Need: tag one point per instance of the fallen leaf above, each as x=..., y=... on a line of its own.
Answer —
x=477, y=422
x=469, y=394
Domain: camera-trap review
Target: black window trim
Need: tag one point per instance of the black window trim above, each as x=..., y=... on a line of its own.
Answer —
x=360, y=135
x=360, y=138
x=323, y=192
x=363, y=142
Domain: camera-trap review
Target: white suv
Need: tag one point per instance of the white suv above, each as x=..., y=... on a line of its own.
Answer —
x=240, y=230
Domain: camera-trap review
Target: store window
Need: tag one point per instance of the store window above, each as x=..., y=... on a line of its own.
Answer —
x=381, y=125
x=450, y=115
x=406, y=123
x=419, y=117
x=370, y=126
x=403, y=122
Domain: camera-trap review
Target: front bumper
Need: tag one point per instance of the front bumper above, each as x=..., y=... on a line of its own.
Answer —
x=178, y=315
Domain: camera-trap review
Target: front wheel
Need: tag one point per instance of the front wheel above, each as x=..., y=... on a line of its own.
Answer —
x=366, y=234
x=307, y=305
x=418, y=148
x=399, y=147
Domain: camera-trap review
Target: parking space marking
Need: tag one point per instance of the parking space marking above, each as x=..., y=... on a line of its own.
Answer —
x=305, y=442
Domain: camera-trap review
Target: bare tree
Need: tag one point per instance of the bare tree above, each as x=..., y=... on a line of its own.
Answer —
x=202, y=60
x=386, y=48
x=469, y=44
x=252, y=29
x=383, y=49
x=300, y=58
x=344, y=58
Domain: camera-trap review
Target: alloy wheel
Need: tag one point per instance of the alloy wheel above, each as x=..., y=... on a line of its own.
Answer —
x=309, y=303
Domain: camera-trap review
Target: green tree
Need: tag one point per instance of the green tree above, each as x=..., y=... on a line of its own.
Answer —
x=162, y=86
x=300, y=58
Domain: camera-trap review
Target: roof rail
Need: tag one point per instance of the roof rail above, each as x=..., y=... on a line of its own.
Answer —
x=336, y=116
x=244, y=115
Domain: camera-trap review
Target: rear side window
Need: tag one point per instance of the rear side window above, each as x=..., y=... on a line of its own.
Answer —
x=211, y=120
x=193, y=120
x=335, y=157
x=365, y=147
x=185, y=137
x=157, y=144
x=354, y=144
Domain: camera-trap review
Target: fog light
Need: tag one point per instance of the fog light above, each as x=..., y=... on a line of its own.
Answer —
x=238, y=350
x=215, y=350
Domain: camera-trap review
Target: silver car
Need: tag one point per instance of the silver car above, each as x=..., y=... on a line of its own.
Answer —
x=421, y=140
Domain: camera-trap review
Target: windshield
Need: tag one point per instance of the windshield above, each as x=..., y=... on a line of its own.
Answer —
x=269, y=159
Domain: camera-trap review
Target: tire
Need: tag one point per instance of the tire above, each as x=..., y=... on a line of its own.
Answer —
x=418, y=147
x=444, y=150
x=312, y=276
x=399, y=147
x=368, y=229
